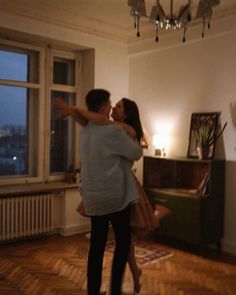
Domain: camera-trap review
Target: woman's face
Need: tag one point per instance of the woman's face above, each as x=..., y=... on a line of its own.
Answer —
x=118, y=112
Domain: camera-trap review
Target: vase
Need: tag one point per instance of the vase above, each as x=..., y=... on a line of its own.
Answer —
x=203, y=152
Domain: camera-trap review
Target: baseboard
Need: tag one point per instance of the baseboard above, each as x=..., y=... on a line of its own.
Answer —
x=229, y=246
x=75, y=229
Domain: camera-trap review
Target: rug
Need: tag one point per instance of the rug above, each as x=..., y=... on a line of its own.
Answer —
x=145, y=253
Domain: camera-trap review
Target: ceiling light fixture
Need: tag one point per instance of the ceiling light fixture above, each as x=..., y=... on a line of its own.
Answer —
x=169, y=21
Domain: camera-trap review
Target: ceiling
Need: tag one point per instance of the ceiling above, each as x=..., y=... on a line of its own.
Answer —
x=106, y=18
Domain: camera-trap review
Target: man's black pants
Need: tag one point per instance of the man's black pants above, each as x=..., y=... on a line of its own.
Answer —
x=99, y=232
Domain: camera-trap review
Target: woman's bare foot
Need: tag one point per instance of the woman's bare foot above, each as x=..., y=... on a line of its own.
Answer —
x=137, y=284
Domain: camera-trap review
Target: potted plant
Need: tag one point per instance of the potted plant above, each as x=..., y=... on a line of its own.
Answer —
x=207, y=130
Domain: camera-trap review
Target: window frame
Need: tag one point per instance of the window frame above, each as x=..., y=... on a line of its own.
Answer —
x=68, y=89
x=44, y=86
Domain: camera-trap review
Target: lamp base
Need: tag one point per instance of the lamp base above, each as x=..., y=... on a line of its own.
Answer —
x=158, y=152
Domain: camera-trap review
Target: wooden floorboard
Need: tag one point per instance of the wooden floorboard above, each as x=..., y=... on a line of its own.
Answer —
x=56, y=265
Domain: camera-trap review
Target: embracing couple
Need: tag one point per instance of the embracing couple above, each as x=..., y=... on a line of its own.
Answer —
x=109, y=188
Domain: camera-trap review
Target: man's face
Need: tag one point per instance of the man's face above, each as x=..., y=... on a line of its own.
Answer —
x=118, y=112
x=106, y=109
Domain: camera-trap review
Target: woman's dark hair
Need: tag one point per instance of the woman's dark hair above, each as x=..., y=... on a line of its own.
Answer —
x=132, y=117
x=96, y=98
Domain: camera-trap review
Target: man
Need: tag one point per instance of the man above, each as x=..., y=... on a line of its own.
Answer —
x=108, y=188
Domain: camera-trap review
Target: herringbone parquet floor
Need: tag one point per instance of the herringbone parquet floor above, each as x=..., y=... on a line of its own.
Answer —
x=57, y=266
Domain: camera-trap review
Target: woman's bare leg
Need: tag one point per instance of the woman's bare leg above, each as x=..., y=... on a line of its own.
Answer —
x=135, y=270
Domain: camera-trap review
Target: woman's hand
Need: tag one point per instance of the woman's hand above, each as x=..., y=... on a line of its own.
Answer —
x=62, y=108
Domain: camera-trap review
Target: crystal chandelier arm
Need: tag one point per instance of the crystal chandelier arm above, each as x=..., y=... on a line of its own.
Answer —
x=157, y=31
x=171, y=8
x=157, y=13
x=204, y=11
x=184, y=15
x=203, y=27
x=138, y=33
x=138, y=7
x=189, y=11
x=205, y=8
x=184, y=38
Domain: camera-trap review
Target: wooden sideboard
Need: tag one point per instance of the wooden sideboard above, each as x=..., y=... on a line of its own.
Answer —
x=194, y=192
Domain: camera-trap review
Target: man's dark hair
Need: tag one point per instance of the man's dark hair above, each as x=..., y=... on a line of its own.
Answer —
x=96, y=98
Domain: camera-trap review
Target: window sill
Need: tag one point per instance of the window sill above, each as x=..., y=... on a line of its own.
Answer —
x=35, y=187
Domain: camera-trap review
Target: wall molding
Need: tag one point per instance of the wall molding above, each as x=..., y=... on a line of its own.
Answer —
x=74, y=229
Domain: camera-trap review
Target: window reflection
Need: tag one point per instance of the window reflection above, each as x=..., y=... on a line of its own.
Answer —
x=64, y=71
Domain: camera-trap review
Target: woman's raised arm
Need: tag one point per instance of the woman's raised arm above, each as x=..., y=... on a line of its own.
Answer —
x=82, y=116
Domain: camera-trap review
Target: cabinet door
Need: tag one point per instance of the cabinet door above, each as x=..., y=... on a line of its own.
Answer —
x=185, y=220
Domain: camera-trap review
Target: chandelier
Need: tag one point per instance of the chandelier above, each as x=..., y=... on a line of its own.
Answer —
x=171, y=21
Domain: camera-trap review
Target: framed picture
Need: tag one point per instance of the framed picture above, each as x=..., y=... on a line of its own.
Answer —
x=201, y=136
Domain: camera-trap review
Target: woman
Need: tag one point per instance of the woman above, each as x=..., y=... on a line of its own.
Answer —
x=144, y=217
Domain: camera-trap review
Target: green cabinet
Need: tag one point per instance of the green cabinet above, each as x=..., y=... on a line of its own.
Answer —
x=194, y=192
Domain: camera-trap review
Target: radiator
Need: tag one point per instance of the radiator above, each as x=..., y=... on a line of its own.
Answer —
x=25, y=216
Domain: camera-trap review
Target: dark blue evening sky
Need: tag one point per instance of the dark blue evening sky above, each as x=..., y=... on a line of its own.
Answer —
x=13, y=66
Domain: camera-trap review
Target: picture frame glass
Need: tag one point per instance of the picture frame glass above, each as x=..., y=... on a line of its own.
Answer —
x=201, y=127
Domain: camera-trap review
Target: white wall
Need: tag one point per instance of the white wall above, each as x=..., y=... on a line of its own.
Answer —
x=171, y=81
x=67, y=220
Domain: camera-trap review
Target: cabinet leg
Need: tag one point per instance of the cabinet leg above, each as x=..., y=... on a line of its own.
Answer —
x=219, y=246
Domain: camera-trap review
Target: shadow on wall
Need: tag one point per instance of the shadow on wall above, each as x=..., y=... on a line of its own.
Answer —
x=220, y=149
x=232, y=108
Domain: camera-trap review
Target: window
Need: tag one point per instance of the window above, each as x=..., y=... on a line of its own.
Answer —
x=19, y=94
x=64, y=86
x=30, y=78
